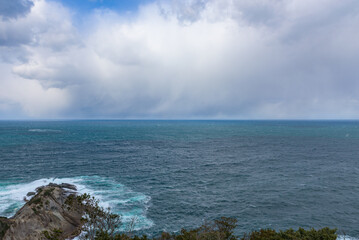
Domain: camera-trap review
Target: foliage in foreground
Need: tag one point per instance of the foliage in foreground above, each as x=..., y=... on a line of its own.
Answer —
x=222, y=229
x=300, y=234
x=101, y=224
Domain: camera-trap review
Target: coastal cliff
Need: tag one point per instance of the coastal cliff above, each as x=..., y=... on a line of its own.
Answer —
x=49, y=213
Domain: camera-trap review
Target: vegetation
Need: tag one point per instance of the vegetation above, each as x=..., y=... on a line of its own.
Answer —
x=48, y=192
x=300, y=234
x=101, y=224
x=55, y=234
x=35, y=200
x=222, y=229
x=213, y=232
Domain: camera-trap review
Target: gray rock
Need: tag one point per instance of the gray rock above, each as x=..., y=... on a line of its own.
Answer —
x=30, y=194
x=68, y=186
x=44, y=212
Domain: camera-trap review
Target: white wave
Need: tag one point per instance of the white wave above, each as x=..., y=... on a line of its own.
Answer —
x=342, y=237
x=43, y=130
x=119, y=198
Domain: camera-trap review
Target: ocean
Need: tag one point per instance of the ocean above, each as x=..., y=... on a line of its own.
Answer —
x=178, y=174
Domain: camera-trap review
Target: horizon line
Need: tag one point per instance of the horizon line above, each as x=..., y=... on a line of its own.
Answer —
x=178, y=119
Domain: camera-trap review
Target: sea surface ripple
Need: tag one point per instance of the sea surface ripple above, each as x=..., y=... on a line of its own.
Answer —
x=174, y=174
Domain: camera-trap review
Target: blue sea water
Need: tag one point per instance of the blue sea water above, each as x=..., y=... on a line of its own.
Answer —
x=174, y=174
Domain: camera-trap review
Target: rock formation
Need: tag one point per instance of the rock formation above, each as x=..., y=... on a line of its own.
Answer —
x=52, y=213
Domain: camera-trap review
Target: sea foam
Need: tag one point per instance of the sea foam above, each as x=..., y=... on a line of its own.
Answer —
x=119, y=198
x=342, y=237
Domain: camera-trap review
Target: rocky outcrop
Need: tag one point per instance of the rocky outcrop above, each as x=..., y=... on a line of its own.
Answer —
x=53, y=213
x=4, y=226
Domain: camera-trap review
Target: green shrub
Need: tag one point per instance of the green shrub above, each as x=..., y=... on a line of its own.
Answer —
x=101, y=224
x=55, y=234
x=290, y=234
x=48, y=192
x=35, y=200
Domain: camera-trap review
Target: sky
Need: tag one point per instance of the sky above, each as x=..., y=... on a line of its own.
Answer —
x=179, y=59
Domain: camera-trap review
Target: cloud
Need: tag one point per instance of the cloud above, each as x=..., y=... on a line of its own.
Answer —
x=185, y=11
x=47, y=25
x=25, y=98
x=192, y=59
x=14, y=8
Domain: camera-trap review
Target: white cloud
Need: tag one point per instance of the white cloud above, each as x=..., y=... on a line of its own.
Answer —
x=27, y=98
x=235, y=59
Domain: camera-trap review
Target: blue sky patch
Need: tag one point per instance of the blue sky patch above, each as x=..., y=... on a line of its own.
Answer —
x=84, y=6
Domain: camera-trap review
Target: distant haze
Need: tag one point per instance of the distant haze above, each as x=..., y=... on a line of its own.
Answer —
x=186, y=59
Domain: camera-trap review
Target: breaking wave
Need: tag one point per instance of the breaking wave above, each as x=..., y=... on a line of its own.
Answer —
x=342, y=237
x=119, y=198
